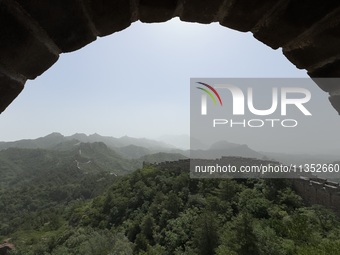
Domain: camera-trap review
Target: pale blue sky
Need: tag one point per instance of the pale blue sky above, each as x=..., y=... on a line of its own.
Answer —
x=136, y=82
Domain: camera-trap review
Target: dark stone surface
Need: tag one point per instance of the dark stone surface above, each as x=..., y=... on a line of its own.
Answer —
x=110, y=16
x=243, y=15
x=63, y=20
x=156, y=10
x=290, y=19
x=9, y=90
x=322, y=43
x=329, y=70
x=335, y=101
x=321, y=49
x=199, y=11
x=328, y=84
x=21, y=48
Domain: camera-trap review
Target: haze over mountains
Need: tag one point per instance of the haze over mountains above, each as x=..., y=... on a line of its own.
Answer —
x=55, y=139
x=131, y=148
x=142, y=149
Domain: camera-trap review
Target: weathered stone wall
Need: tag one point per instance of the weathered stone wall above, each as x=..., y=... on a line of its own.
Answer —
x=33, y=33
x=319, y=191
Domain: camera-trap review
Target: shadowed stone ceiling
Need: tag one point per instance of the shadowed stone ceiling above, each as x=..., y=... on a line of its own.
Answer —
x=33, y=33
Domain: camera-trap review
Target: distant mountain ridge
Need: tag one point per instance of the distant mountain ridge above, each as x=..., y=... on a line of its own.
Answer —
x=225, y=148
x=96, y=152
x=134, y=148
x=87, y=157
x=54, y=140
x=140, y=149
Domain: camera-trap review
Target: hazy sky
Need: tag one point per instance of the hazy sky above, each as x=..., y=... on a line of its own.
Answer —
x=136, y=82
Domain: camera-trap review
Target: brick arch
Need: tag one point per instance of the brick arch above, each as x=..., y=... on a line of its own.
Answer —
x=34, y=33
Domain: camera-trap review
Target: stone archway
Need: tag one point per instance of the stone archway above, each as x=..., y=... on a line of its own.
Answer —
x=34, y=33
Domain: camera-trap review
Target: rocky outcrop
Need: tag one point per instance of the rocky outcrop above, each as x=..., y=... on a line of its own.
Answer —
x=34, y=33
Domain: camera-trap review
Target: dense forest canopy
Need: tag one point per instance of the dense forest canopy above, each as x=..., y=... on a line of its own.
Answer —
x=153, y=210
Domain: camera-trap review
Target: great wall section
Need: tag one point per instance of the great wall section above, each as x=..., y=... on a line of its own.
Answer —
x=313, y=190
x=319, y=191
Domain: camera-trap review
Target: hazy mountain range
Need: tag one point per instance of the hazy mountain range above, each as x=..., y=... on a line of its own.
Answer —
x=133, y=148
x=142, y=149
x=55, y=139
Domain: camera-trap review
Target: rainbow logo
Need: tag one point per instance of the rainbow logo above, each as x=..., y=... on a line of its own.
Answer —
x=211, y=89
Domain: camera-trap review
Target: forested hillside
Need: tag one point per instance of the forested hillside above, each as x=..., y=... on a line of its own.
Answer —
x=37, y=184
x=158, y=211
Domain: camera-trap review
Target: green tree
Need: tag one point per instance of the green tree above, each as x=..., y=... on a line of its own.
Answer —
x=206, y=237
